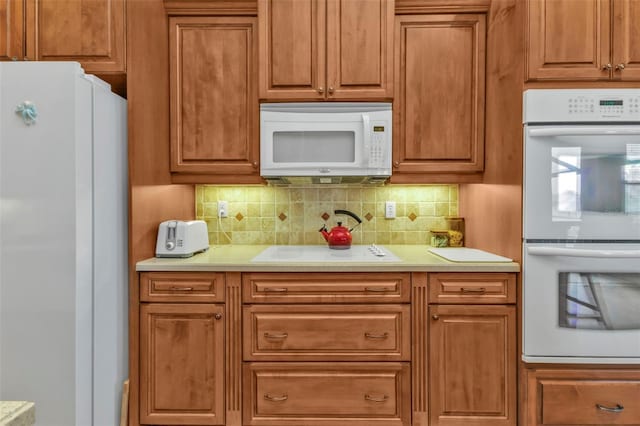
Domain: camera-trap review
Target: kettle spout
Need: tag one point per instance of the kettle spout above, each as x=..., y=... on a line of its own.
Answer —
x=324, y=232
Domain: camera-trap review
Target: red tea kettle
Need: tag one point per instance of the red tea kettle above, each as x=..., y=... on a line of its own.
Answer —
x=340, y=236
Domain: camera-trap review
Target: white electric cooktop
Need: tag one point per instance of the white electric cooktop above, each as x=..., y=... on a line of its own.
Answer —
x=357, y=253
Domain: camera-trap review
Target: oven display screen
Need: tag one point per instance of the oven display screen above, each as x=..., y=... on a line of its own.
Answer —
x=610, y=102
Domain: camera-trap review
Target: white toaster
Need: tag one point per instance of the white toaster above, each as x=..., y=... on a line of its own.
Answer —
x=177, y=238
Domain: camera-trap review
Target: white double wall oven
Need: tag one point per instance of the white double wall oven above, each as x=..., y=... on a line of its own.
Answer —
x=581, y=260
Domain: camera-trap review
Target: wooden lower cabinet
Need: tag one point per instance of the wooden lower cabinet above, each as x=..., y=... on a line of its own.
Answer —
x=181, y=364
x=568, y=397
x=326, y=394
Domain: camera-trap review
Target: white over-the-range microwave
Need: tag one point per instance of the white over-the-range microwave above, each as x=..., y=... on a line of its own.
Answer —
x=332, y=142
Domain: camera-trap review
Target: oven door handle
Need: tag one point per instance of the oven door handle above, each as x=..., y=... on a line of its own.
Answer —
x=571, y=252
x=582, y=130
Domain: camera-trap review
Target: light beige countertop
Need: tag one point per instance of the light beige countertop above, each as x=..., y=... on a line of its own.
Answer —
x=17, y=413
x=413, y=258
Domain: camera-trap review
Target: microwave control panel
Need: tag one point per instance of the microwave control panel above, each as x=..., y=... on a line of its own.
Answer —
x=377, y=150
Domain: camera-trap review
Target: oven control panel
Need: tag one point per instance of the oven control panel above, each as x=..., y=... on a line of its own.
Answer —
x=581, y=105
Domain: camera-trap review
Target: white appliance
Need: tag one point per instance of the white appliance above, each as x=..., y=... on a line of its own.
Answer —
x=325, y=142
x=581, y=260
x=177, y=238
x=63, y=243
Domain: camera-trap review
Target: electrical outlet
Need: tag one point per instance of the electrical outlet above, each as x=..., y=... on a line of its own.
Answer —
x=223, y=209
x=390, y=209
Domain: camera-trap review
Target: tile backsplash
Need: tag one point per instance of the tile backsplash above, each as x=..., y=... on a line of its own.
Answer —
x=293, y=215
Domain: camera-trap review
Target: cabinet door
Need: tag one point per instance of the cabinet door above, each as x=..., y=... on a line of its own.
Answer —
x=181, y=364
x=568, y=40
x=91, y=32
x=439, y=108
x=626, y=40
x=11, y=30
x=472, y=355
x=214, y=103
x=292, y=49
x=360, y=49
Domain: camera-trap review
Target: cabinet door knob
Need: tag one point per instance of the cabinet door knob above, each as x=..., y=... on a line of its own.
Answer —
x=331, y=90
x=321, y=90
x=606, y=67
x=435, y=317
x=218, y=316
x=619, y=67
x=255, y=164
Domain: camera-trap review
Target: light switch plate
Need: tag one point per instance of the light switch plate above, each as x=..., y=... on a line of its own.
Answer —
x=390, y=209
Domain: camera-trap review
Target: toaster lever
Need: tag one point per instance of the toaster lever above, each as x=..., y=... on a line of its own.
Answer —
x=170, y=243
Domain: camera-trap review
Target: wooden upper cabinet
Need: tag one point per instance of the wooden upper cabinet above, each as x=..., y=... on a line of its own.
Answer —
x=214, y=101
x=12, y=30
x=181, y=364
x=91, y=32
x=439, y=103
x=326, y=49
x=626, y=40
x=583, y=40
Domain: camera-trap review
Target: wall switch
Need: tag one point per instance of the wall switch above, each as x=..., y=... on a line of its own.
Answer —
x=223, y=209
x=390, y=209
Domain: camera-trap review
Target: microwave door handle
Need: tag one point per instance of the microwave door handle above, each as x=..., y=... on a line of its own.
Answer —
x=572, y=252
x=366, y=137
x=582, y=131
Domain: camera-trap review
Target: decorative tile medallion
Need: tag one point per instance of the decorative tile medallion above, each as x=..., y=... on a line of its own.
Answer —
x=282, y=216
x=368, y=216
x=325, y=216
x=412, y=216
x=239, y=217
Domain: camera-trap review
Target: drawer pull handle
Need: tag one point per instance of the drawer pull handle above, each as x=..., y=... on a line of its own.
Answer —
x=377, y=289
x=374, y=399
x=181, y=288
x=376, y=336
x=473, y=290
x=617, y=409
x=276, y=289
x=268, y=335
x=276, y=398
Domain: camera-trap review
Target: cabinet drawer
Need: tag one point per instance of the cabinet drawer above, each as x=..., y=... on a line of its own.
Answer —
x=331, y=287
x=327, y=394
x=590, y=402
x=490, y=288
x=329, y=332
x=181, y=287
x=583, y=397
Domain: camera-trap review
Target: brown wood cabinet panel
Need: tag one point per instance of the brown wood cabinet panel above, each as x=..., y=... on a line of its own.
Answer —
x=182, y=287
x=12, y=30
x=360, y=49
x=568, y=40
x=326, y=332
x=214, y=103
x=439, y=109
x=326, y=49
x=326, y=287
x=181, y=364
x=91, y=32
x=292, y=48
x=472, y=365
x=626, y=40
x=326, y=394
x=472, y=288
x=572, y=397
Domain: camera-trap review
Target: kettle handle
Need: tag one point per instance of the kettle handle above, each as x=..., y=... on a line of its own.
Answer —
x=348, y=213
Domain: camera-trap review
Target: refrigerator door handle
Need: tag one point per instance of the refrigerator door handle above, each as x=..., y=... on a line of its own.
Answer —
x=573, y=252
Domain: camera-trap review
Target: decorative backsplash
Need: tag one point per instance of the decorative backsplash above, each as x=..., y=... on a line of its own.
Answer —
x=293, y=215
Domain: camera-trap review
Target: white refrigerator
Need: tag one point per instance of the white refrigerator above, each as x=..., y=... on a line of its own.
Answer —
x=63, y=243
